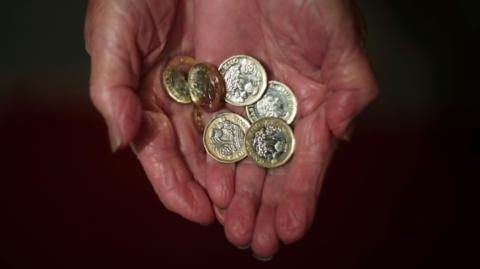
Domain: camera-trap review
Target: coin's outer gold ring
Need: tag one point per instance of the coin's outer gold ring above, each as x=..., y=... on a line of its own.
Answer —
x=208, y=102
x=174, y=63
x=262, y=123
x=291, y=117
x=263, y=86
x=210, y=152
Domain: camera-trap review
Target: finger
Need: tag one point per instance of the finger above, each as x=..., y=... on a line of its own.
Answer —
x=190, y=143
x=305, y=171
x=220, y=182
x=114, y=74
x=241, y=213
x=265, y=241
x=156, y=148
x=353, y=86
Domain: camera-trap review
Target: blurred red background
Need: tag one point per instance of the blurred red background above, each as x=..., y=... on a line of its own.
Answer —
x=71, y=203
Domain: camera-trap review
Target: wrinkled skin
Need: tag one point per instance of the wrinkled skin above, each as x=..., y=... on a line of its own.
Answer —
x=315, y=47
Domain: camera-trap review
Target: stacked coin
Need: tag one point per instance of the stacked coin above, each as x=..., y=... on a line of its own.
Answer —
x=270, y=106
x=187, y=81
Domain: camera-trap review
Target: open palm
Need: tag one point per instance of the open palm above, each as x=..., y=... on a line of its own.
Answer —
x=312, y=46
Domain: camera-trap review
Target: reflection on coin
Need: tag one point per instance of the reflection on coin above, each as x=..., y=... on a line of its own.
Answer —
x=197, y=119
x=245, y=80
x=278, y=101
x=270, y=142
x=224, y=137
x=207, y=88
x=174, y=78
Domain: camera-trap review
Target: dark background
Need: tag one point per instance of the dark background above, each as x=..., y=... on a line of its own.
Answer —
x=389, y=200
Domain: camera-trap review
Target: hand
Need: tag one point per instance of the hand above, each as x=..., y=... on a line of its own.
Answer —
x=316, y=53
x=129, y=42
x=315, y=47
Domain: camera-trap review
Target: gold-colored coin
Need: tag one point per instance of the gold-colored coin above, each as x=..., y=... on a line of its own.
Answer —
x=224, y=137
x=197, y=119
x=270, y=142
x=207, y=88
x=174, y=78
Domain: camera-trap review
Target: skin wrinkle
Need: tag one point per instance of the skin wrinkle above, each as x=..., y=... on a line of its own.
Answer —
x=158, y=34
x=294, y=219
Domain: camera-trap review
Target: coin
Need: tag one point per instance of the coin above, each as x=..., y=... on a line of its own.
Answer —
x=174, y=78
x=197, y=119
x=207, y=88
x=224, y=137
x=278, y=101
x=245, y=80
x=270, y=142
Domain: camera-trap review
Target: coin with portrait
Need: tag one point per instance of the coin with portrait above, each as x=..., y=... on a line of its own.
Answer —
x=245, y=80
x=174, y=78
x=278, y=101
x=270, y=142
x=224, y=137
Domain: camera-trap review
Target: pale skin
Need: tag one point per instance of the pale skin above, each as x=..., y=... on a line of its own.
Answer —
x=315, y=47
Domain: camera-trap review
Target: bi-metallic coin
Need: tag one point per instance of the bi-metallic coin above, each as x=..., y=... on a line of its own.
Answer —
x=245, y=80
x=174, y=78
x=270, y=142
x=197, y=119
x=224, y=137
x=278, y=101
x=207, y=88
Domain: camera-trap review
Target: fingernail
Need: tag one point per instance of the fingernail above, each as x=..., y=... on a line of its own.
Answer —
x=263, y=259
x=348, y=133
x=243, y=247
x=114, y=136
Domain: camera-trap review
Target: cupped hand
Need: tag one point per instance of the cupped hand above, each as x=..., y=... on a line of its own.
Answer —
x=315, y=47
x=129, y=42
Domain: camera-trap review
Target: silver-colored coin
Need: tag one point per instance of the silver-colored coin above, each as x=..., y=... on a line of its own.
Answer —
x=278, y=101
x=224, y=137
x=245, y=80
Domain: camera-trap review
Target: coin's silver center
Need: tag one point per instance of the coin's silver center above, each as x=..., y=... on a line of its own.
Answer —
x=227, y=138
x=269, y=142
x=177, y=80
x=272, y=105
x=241, y=81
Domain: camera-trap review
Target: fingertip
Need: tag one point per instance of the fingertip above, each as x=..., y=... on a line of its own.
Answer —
x=122, y=112
x=240, y=220
x=262, y=258
x=264, y=247
x=294, y=215
x=200, y=209
x=265, y=241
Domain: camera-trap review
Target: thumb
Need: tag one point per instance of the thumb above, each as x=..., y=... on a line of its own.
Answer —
x=114, y=75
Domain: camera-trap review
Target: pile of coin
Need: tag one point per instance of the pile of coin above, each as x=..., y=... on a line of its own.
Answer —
x=241, y=80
